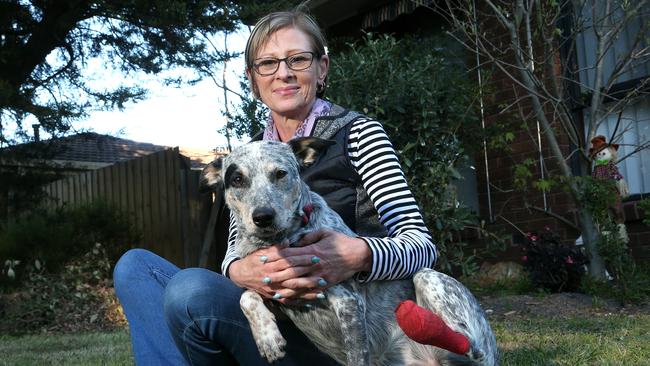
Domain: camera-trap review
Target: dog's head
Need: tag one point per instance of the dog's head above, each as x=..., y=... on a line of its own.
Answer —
x=262, y=184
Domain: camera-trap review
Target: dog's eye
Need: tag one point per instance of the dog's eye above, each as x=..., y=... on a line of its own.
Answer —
x=280, y=174
x=237, y=181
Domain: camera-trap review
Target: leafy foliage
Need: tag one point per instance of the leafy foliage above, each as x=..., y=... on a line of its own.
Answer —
x=74, y=298
x=26, y=187
x=633, y=287
x=627, y=282
x=53, y=238
x=551, y=264
x=645, y=207
x=249, y=117
x=405, y=84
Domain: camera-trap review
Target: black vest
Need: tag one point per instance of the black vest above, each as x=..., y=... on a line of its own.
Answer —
x=335, y=179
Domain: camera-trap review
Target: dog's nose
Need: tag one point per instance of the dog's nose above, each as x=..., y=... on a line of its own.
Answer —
x=264, y=216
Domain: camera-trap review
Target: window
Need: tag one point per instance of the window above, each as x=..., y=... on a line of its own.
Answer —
x=633, y=129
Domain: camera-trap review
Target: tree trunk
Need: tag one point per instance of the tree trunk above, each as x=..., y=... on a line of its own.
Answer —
x=589, y=237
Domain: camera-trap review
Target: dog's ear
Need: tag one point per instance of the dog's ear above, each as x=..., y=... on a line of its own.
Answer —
x=210, y=178
x=308, y=149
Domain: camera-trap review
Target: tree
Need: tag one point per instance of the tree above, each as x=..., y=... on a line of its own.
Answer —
x=47, y=46
x=534, y=44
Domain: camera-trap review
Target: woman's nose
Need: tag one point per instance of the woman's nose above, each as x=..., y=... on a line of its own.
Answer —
x=284, y=71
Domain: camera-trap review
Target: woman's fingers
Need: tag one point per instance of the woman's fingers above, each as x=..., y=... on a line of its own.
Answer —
x=311, y=238
x=294, y=297
x=283, y=263
x=306, y=283
x=291, y=272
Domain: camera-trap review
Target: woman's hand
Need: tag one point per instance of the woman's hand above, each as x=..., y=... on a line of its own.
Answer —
x=264, y=270
x=337, y=257
x=321, y=259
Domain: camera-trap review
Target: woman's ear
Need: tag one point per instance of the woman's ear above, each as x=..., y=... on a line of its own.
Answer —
x=323, y=67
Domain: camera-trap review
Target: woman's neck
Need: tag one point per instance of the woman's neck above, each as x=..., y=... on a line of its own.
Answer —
x=286, y=126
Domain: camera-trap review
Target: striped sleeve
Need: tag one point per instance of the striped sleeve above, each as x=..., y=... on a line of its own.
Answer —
x=409, y=246
x=231, y=255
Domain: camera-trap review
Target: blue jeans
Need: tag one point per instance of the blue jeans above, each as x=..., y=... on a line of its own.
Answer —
x=192, y=316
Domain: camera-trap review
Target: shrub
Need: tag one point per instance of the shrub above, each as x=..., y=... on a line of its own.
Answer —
x=632, y=288
x=551, y=264
x=644, y=205
x=627, y=283
x=427, y=102
x=54, y=237
x=78, y=297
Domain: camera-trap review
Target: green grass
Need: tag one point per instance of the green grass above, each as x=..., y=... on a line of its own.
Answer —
x=107, y=348
x=602, y=340
x=597, y=340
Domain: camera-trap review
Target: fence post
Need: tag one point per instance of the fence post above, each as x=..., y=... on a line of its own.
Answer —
x=209, y=232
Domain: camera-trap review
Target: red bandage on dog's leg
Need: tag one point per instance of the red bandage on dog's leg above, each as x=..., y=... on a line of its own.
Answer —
x=423, y=326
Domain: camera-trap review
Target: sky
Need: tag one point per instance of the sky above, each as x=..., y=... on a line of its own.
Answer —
x=186, y=117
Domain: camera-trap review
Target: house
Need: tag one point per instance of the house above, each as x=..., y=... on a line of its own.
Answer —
x=155, y=185
x=489, y=190
x=49, y=160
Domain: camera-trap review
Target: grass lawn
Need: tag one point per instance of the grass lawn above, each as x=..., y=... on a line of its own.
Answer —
x=596, y=340
x=96, y=349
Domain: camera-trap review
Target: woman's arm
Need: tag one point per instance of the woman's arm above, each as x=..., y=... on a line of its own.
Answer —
x=409, y=246
x=231, y=255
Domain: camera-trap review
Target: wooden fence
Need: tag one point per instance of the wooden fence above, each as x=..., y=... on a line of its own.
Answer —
x=158, y=191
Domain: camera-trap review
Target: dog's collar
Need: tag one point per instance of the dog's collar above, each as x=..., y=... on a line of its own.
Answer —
x=306, y=216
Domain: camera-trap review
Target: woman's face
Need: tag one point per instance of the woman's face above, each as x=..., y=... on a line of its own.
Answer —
x=289, y=93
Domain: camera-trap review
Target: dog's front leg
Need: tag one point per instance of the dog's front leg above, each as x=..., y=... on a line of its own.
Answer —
x=265, y=330
x=351, y=313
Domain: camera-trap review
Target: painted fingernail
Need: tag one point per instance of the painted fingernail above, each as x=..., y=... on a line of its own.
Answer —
x=266, y=280
x=277, y=296
x=309, y=306
x=322, y=282
x=320, y=296
x=315, y=259
x=264, y=258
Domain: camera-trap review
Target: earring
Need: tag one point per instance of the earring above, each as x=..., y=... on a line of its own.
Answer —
x=320, y=86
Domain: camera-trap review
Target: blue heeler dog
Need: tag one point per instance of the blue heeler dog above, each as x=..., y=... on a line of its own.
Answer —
x=356, y=323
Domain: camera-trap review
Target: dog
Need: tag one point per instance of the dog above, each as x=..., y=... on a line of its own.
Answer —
x=356, y=323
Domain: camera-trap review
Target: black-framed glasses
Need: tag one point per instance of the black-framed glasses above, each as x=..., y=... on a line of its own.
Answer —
x=266, y=66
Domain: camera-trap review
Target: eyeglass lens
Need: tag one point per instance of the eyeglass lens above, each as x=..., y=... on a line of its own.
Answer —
x=296, y=62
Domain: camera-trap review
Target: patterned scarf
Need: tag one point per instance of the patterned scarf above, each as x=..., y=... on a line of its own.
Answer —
x=320, y=108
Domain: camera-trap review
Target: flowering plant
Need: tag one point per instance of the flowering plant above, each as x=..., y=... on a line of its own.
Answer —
x=551, y=264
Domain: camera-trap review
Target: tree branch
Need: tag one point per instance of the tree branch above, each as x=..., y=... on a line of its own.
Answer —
x=554, y=215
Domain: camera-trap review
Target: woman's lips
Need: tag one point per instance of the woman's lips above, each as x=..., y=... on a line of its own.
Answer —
x=288, y=90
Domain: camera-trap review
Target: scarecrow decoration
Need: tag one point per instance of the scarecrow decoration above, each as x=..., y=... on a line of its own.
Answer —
x=604, y=157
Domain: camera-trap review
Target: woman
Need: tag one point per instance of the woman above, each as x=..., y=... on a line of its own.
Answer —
x=360, y=177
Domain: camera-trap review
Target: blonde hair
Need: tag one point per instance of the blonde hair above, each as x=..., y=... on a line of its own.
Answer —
x=271, y=23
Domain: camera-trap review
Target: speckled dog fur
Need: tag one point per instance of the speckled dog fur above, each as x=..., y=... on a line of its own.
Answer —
x=355, y=324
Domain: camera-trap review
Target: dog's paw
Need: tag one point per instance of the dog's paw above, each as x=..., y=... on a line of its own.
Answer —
x=271, y=345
